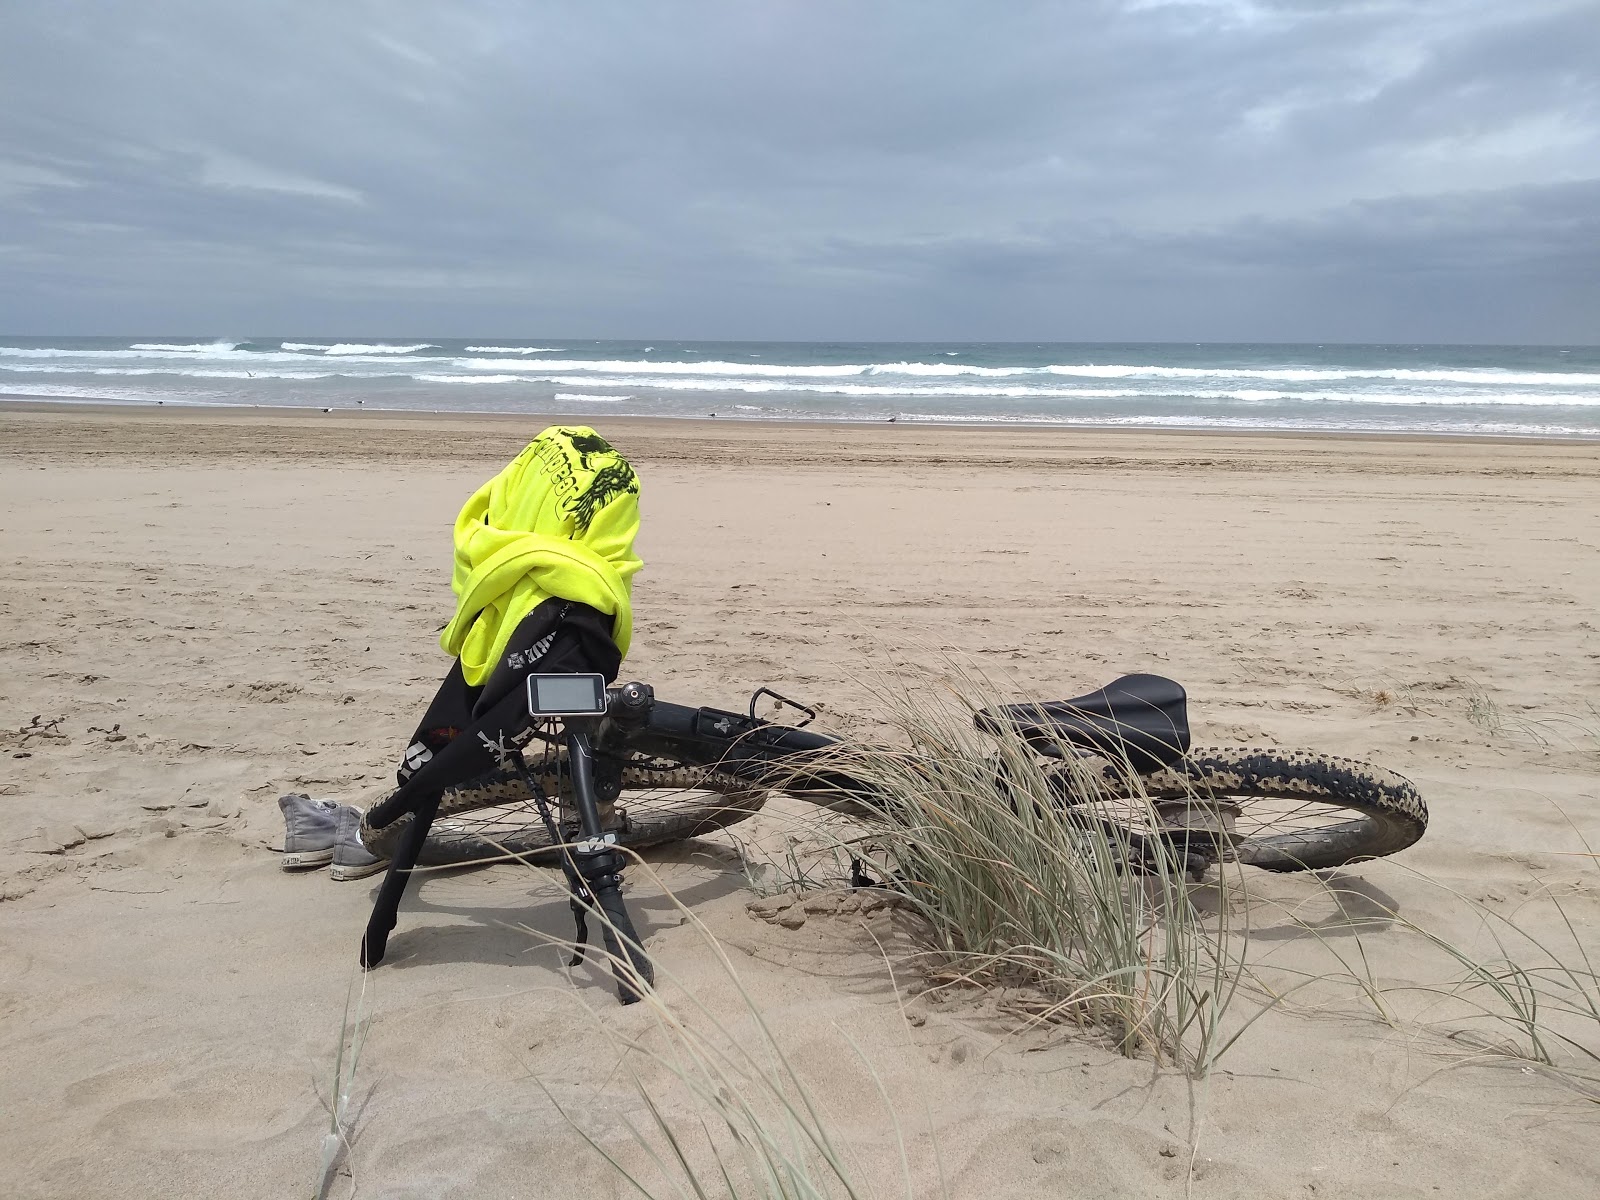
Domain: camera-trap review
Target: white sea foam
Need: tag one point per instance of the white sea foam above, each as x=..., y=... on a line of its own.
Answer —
x=1448, y=391
x=474, y=378
x=1566, y=386
x=217, y=347
x=186, y=373
x=1046, y=391
x=633, y=366
x=273, y=366
x=516, y=349
x=342, y=348
x=220, y=352
x=1512, y=428
x=86, y=393
x=1486, y=376
x=50, y=352
x=143, y=350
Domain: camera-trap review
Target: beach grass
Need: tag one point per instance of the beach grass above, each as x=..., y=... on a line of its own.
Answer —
x=1080, y=920
x=354, y=1026
x=1518, y=991
x=1523, y=988
x=722, y=1109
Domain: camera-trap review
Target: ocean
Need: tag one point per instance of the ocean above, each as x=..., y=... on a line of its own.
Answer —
x=1531, y=391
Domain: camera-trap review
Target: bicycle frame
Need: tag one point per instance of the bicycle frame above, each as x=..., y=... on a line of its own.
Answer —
x=738, y=744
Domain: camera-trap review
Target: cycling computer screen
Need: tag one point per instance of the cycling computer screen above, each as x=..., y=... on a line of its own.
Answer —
x=566, y=695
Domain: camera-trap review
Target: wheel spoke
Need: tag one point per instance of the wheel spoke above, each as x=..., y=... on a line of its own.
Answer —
x=1305, y=815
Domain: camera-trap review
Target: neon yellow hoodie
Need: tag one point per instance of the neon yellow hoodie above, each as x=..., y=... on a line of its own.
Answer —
x=558, y=521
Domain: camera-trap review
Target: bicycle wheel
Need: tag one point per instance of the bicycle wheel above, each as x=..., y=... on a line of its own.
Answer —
x=1283, y=810
x=495, y=816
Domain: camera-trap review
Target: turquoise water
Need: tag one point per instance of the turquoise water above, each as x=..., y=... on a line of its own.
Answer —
x=1502, y=390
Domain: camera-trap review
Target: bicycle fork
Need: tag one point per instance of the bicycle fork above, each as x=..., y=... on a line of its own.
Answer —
x=593, y=868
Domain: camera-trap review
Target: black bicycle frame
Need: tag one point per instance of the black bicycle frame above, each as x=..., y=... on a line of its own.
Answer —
x=737, y=744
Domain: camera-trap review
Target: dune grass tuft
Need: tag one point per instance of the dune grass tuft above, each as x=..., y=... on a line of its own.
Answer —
x=1023, y=891
x=1526, y=996
x=1523, y=987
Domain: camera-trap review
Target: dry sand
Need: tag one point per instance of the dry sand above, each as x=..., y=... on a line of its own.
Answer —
x=249, y=601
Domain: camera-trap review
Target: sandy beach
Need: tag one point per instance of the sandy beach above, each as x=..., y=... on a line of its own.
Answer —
x=204, y=609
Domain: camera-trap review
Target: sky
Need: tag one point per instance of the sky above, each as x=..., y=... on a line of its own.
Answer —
x=1127, y=170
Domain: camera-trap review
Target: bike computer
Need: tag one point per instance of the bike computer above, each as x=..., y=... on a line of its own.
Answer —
x=567, y=695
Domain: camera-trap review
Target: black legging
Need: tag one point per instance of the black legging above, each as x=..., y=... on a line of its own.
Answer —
x=463, y=734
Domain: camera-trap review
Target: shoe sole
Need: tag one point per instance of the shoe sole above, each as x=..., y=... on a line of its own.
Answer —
x=342, y=872
x=304, y=860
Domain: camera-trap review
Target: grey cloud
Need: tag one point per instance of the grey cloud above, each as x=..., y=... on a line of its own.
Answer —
x=1228, y=169
x=230, y=171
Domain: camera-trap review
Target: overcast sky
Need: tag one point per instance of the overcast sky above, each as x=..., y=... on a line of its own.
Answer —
x=1355, y=170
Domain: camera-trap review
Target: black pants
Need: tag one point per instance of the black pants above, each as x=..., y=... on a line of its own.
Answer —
x=465, y=730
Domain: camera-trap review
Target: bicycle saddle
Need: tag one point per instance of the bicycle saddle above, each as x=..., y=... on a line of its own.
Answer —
x=1142, y=718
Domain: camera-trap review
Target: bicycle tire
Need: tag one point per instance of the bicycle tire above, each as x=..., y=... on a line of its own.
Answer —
x=1382, y=811
x=494, y=817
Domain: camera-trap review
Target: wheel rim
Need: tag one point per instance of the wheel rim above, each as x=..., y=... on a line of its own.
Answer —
x=500, y=822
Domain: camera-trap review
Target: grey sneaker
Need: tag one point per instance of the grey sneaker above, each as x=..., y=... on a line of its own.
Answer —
x=351, y=859
x=308, y=828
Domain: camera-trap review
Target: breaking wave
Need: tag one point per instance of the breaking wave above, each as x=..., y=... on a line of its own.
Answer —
x=218, y=347
x=516, y=349
x=1490, y=376
x=977, y=391
x=341, y=348
x=1454, y=389
x=189, y=373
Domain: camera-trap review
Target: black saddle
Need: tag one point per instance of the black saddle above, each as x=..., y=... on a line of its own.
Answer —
x=1140, y=718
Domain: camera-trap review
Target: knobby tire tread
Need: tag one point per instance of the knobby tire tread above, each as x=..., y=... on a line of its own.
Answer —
x=1389, y=813
x=719, y=800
